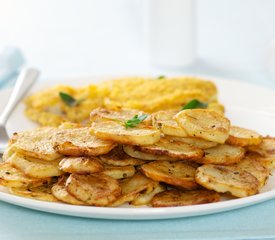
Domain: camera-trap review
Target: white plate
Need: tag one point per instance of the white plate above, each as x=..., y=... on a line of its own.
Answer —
x=246, y=105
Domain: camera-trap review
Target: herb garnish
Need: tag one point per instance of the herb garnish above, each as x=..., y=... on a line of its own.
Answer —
x=161, y=77
x=69, y=100
x=133, y=122
x=194, y=104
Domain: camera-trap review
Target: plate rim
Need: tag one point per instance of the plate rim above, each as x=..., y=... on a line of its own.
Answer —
x=135, y=213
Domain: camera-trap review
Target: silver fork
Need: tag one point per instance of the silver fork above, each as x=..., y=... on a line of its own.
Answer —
x=23, y=83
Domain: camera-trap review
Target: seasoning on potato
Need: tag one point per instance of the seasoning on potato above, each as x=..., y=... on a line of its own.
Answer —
x=159, y=145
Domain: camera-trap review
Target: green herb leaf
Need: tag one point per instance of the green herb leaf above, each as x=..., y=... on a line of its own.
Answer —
x=133, y=122
x=69, y=100
x=161, y=77
x=194, y=104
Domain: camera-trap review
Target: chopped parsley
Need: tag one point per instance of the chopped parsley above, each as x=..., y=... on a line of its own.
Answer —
x=134, y=121
x=161, y=77
x=194, y=104
x=69, y=100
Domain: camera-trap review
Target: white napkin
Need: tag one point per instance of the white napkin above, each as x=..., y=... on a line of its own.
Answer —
x=11, y=60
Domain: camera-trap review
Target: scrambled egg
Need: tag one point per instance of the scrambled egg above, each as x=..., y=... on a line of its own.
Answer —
x=146, y=94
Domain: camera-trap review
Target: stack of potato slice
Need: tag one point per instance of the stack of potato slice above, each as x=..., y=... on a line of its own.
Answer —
x=169, y=159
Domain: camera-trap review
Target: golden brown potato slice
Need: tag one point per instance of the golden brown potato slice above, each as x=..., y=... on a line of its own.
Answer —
x=8, y=153
x=243, y=137
x=222, y=155
x=133, y=186
x=95, y=189
x=60, y=192
x=256, y=168
x=134, y=151
x=113, y=131
x=79, y=142
x=117, y=157
x=119, y=172
x=12, y=177
x=173, y=149
x=69, y=125
x=266, y=162
x=174, y=173
x=123, y=114
x=265, y=152
x=145, y=198
x=216, y=106
x=266, y=147
x=204, y=123
x=164, y=121
x=49, y=143
x=196, y=142
x=34, y=167
x=172, y=198
x=42, y=193
x=80, y=165
x=227, y=179
x=37, y=143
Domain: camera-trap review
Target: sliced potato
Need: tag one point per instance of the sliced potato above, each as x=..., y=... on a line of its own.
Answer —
x=80, y=165
x=96, y=189
x=216, y=106
x=49, y=143
x=113, y=131
x=266, y=162
x=60, y=192
x=123, y=114
x=134, y=151
x=172, y=198
x=164, y=121
x=133, y=186
x=117, y=157
x=173, y=149
x=227, y=179
x=8, y=153
x=174, y=173
x=12, y=177
x=265, y=152
x=145, y=198
x=222, y=155
x=42, y=193
x=196, y=142
x=119, y=172
x=34, y=167
x=243, y=137
x=266, y=147
x=204, y=123
x=69, y=125
x=256, y=168
x=37, y=143
x=79, y=142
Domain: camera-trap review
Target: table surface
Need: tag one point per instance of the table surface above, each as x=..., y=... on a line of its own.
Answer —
x=234, y=47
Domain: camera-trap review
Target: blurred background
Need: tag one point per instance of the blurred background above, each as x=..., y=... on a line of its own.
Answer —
x=68, y=38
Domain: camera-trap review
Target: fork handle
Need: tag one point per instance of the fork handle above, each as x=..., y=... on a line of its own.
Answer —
x=23, y=83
